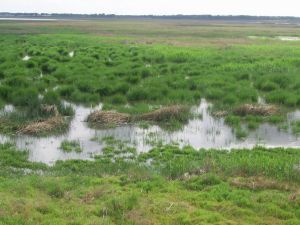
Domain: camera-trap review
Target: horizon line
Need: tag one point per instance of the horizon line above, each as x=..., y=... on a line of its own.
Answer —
x=148, y=15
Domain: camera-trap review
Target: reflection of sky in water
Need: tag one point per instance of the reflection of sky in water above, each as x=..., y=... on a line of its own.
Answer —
x=207, y=132
x=281, y=38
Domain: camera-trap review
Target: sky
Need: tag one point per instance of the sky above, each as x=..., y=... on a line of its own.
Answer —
x=157, y=7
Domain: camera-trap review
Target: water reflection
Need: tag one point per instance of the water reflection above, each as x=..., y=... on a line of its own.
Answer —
x=204, y=132
x=26, y=58
x=281, y=38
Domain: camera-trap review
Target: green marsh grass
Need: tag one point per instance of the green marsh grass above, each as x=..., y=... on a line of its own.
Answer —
x=118, y=74
x=178, y=186
x=136, y=71
x=71, y=146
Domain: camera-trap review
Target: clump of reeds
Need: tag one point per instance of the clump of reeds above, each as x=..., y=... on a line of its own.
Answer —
x=222, y=113
x=50, y=109
x=165, y=114
x=257, y=110
x=108, y=117
x=39, y=127
x=175, y=112
x=258, y=182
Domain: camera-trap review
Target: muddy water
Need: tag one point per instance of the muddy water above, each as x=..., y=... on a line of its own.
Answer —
x=204, y=132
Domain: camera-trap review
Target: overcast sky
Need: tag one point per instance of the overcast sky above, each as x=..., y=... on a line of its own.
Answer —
x=156, y=7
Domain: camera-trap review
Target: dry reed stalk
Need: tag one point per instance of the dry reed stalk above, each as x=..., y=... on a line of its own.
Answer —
x=108, y=117
x=257, y=110
x=47, y=125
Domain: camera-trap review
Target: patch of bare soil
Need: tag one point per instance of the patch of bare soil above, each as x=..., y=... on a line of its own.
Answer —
x=256, y=110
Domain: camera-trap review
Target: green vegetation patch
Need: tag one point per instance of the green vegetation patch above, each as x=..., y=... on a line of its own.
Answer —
x=130, y=78
x=168, y=185
x=71, y=146
x=133, y=71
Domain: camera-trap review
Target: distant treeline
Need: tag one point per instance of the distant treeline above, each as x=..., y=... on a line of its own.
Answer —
x=193, y=17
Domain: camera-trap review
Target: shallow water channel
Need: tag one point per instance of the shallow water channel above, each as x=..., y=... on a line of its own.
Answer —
x=204, y=132
x=281, y=38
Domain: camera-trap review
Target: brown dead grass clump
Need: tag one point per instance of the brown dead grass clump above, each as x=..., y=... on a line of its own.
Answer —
x=46, y=125
x=256, y=110
x=108, y=117
x=220, y=113
x=294, y=197
x=50, y=109
x=259, y=183
x=2, y=213
x=137, y=216
x=177, y=112
x=96, y=194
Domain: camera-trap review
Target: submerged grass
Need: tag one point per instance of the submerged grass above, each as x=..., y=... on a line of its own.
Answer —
x=296, y=127
x=70, y=146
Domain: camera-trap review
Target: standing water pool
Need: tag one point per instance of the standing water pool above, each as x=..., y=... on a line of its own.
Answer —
x=204, y=132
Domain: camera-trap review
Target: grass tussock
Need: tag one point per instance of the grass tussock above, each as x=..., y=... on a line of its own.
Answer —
x=71, y=146
x=50, y=109
x=45, y=126
x=256, y=110
x=176, y=112
x=43, y=119
x=108, y=117
x=260, y=183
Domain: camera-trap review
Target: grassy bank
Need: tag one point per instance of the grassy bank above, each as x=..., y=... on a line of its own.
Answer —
x=168, y=185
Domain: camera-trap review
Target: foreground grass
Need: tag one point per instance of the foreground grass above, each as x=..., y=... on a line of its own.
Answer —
x=179, y=186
